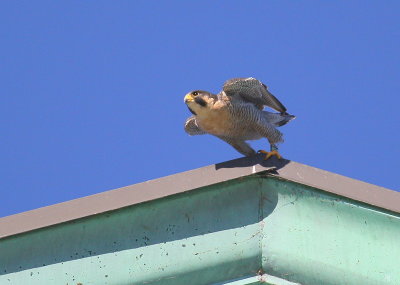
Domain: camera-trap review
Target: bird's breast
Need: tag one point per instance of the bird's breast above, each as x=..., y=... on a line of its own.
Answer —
x=221, y=122
x=217, y=122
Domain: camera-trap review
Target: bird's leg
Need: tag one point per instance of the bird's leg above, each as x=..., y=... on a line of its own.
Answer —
x=274, y=151
x=240, y=146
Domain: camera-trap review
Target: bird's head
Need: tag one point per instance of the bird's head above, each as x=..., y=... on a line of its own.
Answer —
x=199, y=101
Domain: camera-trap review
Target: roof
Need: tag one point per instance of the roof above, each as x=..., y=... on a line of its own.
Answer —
x=245, y=221
x=194, y=179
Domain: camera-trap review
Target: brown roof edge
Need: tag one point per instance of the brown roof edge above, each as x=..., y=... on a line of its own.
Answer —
x=186, y=181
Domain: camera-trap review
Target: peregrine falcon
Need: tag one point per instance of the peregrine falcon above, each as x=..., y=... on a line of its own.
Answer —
x=236, y=115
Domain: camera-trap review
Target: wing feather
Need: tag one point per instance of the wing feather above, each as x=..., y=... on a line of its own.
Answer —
x=192, y=128
x=253, y=91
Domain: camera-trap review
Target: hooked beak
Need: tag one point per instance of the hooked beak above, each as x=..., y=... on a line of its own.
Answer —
x=188, y=98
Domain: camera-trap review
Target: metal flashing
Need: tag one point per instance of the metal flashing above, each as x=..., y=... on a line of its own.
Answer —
x=194, y=179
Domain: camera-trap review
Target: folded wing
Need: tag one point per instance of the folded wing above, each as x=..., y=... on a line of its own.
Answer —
x=192, y=128
x=253, y=91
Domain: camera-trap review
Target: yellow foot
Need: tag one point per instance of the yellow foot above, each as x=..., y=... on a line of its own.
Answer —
x=271, y=153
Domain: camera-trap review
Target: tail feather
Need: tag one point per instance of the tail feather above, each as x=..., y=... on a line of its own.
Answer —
x=278, y=119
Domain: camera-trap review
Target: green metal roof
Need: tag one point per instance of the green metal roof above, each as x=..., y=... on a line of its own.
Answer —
x=240, y=222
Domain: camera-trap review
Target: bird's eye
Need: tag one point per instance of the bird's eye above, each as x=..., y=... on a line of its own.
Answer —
x=195, y=93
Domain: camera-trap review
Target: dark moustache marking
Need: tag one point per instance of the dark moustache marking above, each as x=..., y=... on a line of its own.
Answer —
x=200, y=101
x=191, y=111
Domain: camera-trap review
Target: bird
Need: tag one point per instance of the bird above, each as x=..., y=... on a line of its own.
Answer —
x=236, y=115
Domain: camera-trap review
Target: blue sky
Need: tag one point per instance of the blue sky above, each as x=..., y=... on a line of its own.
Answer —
x=92, y=91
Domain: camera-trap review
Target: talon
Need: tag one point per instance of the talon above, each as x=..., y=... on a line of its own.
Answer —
x=271, y=153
